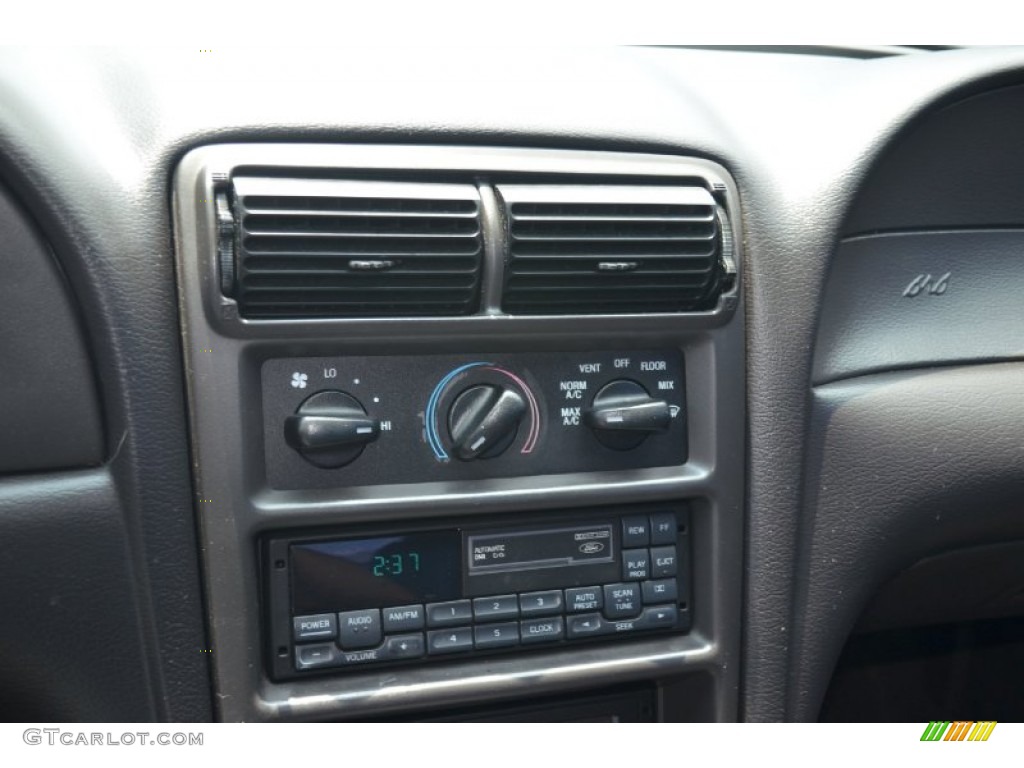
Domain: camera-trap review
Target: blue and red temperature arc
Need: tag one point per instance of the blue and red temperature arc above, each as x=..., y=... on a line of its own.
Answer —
x=432, y=419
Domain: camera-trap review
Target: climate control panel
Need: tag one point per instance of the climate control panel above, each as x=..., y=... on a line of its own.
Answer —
x=339, y=421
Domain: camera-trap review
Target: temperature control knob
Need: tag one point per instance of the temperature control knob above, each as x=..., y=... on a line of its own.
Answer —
x=623, y=414
x=330, y=429
x=483, y=421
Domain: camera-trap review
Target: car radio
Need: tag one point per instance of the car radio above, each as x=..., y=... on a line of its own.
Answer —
x=381, y=596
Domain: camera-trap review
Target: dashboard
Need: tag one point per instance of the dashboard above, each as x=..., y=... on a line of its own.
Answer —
x=628, y=384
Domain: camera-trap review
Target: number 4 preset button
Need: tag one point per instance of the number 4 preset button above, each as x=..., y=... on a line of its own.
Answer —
x=450, y=640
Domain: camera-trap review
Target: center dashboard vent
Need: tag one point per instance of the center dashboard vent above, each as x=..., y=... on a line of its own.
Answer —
x=308, y=248
x=597, y=249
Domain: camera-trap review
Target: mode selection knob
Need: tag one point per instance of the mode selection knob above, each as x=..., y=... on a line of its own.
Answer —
x=330, y=429
x=623, y=414
x=483, y=421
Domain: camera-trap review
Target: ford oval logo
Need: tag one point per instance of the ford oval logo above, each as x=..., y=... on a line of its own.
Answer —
x=591, y=547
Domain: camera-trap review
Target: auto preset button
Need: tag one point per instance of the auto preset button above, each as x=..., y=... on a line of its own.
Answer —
x=583, y=599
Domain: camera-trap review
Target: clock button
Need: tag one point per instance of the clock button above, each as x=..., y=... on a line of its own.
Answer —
x=359, y=629
x=449, y=614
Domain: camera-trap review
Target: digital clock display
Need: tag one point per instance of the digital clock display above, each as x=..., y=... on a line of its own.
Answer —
x=397, y=570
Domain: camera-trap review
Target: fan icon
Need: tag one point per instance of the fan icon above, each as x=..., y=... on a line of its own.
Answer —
x=299, y=380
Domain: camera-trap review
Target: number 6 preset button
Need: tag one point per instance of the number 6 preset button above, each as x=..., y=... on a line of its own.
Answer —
x=496, y=608
x=448, y=614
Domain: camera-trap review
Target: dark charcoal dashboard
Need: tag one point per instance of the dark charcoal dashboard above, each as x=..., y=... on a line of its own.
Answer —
x=630, y=389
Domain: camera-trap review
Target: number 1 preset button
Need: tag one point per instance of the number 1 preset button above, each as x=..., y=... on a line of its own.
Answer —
x=450, y=613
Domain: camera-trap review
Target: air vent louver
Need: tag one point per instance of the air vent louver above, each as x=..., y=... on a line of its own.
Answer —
x=328, y=248
x=610, y=249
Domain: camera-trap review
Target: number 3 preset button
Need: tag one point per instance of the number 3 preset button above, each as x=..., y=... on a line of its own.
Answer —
x=548, y=603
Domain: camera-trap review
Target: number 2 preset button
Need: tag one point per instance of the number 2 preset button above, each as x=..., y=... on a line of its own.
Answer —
x=446, y=614
x=495, y=608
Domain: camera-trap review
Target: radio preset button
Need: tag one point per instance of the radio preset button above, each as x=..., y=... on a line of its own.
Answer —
x=405, y=646
x=546, y=603
x=323, y=626
x=636, y=564
x=445, y=614
x=621, y=601
x=542, y=630
x=359, y=629
x=663, y=591
x=663, y=562
x=450, y=640
x=636, y=531
x=403, y=618
x=663, y=528
x=496, y=635
x=496, y=608
x=313, y=656
x=582, y=599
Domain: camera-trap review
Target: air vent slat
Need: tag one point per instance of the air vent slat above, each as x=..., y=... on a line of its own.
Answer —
x=301, y=226
x=595, y=249
x=346, y=248
x=702, y=217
